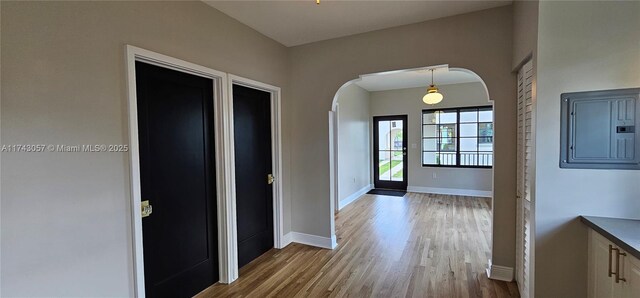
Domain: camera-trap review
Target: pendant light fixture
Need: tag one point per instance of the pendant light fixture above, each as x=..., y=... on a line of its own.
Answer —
x=433, y=96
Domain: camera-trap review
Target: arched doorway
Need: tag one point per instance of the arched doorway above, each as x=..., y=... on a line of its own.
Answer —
x=334, y=127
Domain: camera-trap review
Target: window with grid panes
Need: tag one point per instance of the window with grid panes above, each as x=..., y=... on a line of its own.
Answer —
x=458, y=137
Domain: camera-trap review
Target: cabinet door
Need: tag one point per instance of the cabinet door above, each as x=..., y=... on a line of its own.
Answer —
x=631, y=267
x=600, y=284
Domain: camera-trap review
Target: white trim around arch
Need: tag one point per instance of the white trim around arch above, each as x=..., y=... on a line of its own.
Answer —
x=333, y=133
x=225, y=180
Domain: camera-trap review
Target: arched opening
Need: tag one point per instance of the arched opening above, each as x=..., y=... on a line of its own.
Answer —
x=380, y=84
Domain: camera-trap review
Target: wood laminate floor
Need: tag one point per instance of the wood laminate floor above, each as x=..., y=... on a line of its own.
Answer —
x=421, y=245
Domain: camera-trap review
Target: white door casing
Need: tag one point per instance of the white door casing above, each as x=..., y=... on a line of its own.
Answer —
x=225, y=179
x=276, y=141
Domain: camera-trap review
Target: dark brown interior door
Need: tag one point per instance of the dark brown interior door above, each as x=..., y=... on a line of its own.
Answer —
x=176, y=137
x=254, y=193
x=390, y=152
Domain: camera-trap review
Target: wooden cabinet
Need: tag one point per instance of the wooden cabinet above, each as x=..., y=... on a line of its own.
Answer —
x=600, y=279
x=613, y=272
x=631, y=288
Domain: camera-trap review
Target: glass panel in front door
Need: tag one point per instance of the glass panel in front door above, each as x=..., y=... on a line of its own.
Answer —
x=390, y=150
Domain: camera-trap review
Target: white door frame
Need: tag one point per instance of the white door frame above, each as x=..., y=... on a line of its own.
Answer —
x=225, y=179
x=133, y=54
x=334, y=118
x=276, y=155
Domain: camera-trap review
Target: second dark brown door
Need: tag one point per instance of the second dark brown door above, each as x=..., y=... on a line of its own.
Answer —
x=254, y=192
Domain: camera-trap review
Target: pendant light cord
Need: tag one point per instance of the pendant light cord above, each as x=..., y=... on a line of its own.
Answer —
x=432, y=77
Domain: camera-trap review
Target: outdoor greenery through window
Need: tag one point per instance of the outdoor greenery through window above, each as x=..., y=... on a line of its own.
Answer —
x=390, y=150
x=460, y=137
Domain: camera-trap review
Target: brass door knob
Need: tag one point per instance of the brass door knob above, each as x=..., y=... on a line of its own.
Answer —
x=270, y=179
x=146, y=208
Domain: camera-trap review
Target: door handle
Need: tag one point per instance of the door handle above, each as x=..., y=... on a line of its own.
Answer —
x=146, y=209
x=610, y=251
x=618, y=254
x=270, y=179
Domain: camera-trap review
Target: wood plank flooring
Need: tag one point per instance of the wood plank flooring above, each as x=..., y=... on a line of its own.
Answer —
x=422, y=245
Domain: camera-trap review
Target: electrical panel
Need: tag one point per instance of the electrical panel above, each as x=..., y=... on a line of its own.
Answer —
x=600, y=129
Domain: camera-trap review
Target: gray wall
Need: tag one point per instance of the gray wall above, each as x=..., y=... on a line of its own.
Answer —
x=354, y=143
x=63, y=82
x=525, y=31
x=409, y=102
x=582, y=46
x=65, y=216
x=479, y=41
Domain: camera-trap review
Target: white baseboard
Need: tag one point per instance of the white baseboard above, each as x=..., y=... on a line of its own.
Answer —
x=451, y=191
x=312, y=240
x=499, y=272
x=286, y=239
x=354, y=196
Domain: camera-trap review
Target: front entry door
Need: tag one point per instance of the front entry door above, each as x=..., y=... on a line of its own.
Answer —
x=390, y=152
x=254, y=191
x=177, y=173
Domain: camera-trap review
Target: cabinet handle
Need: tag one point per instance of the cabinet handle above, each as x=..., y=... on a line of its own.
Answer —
x=618, y=254
x=610, y=250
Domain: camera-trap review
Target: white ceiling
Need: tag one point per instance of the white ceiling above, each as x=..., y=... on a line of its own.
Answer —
x=296, y=22
x=414, y=78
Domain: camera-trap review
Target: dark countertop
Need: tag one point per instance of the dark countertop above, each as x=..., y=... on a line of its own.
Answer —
x=625, y=233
